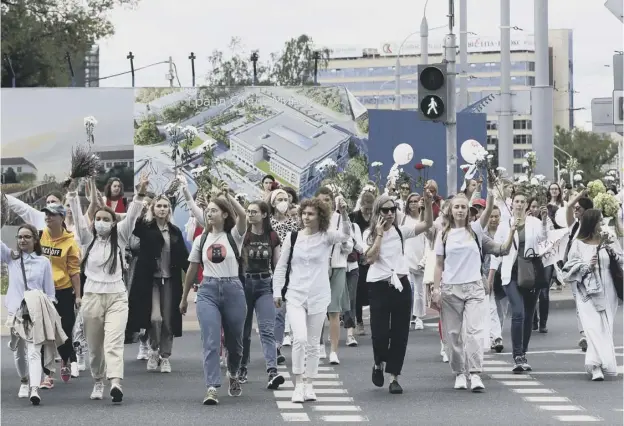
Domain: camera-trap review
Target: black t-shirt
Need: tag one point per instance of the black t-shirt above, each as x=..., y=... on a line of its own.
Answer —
x=258, y=251
x=357, y=218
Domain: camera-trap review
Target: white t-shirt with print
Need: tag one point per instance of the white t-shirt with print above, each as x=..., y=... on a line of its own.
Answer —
x=462, y=263
x=218, y=258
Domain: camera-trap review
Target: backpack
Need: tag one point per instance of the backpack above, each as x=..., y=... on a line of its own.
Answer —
x=293, y=240
x=230, y=238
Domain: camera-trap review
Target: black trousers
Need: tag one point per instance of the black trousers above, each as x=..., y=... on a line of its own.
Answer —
x=541, y=314
x=65, y=306
x=361, y=298
x=390, y=314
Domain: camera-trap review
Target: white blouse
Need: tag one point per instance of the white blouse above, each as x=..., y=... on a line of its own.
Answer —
x=99, y=279
x=38, y=277
x=391, y=260
x=309, y=274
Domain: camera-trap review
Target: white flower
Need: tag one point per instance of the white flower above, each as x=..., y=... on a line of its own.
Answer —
x=578, y=177
x=170, y=128
x=525, y=165
x=534, y=181
x=540, y=178
x=376, y=164
x=481, y=155
x=393, y=174
x=426, y=162
x=90, y=121
x=609, y=178
x=527, y=154
x=522, y=179
x=490, y=156
x=611, y=172
x=563, y=171
x=501, y=169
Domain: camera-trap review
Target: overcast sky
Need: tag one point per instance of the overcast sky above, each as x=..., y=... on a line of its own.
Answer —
x=159, y=28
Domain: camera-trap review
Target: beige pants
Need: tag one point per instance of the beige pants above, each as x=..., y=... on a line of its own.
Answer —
x=105, y=316
x=462, y=324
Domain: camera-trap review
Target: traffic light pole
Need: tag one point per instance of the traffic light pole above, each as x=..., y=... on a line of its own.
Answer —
x=450, y=53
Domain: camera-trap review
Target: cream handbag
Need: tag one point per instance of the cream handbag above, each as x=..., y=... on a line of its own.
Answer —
x=428, y=261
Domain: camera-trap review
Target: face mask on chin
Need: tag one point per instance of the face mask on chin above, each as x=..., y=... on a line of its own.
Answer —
x=103, y=229
x=282, y=207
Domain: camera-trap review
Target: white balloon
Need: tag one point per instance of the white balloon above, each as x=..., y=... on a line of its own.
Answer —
x=560, y=217
x=469, y=150
x=403, y=154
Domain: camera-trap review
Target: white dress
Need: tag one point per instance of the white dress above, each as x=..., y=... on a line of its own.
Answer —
x=598, y=325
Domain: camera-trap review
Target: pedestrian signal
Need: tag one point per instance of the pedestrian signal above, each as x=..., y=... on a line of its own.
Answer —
x=432, y=91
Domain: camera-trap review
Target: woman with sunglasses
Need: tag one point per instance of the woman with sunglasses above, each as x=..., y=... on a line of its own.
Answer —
x=390, y=289
x=27, y=263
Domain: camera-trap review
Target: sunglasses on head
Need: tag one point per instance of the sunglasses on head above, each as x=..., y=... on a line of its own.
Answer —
x=386, y=210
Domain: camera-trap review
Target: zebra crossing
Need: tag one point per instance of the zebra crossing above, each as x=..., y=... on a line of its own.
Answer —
x=333, y=404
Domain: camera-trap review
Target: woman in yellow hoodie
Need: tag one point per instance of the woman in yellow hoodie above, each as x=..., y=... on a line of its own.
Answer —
x=61, y=248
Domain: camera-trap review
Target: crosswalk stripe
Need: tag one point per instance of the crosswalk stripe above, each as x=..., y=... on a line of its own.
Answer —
x=287, y=405
x=578, y=418
x=295, y=417
x=334, y=399
x=546, y=399
x=521, y=383
x=495, y=362
x=336, y=408
x=345, y=419
x=329, y=391
x=511, y=376
x=534, y=391
x=560, y=408
x=289, y=384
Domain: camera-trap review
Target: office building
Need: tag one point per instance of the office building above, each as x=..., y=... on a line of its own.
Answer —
x=369, y=73
x=290, y=147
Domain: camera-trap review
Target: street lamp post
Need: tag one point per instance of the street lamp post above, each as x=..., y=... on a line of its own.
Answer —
x=379, y=91
x=131, y=58
x=71, y=69
x=192, y=57
x=254, y=61
x=571, y=172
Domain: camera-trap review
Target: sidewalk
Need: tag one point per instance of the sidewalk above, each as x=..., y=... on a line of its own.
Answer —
x=558, y=300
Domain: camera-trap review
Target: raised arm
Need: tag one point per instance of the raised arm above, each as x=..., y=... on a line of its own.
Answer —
x=241, y=214
x=345, y=230
x=570, y=207
x=82, y=231
x=5, y=252
x=126, y=226
x=94, y=199
x=197, y=212
x=28, y=213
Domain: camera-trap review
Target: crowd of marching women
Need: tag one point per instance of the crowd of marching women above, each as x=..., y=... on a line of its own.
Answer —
x=84, y=275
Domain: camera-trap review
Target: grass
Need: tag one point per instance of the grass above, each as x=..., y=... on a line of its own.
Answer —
x=196, y=142
x=266, y=168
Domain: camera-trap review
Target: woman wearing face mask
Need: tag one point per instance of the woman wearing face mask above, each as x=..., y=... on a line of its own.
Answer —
x=588, y=269
x=221, y=296
x=390, y=290
x=530, y=232
x=158, y=280
x=305, y=286
x=28, y=263
x=260, y=252
x=105, y=307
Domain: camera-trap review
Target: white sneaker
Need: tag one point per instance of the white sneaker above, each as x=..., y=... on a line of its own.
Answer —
x=23, y=391
x=195, y=298
x=597, y=375
x=298, y=395
x=460, y=382
x=351, y=341
x=98, y=390
x=476, y=384
x=287, y=340
x=82, y=362
x=75, y=371
x=333, y=358
x=152, y=361
x=322, y=352
x=165, y=365
x=308, y=392
x=418, y=324
x=143, y=351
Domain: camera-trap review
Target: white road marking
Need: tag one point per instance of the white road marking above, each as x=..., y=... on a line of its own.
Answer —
x=534, y=391
x=546, y=399
x=495, y=362
x=295, y=417
x=561, y=408
x=288, y=393
x=511, y=376
x=287, y=405
x=334, y=399
x=578, y=418
x=289, y=384
x=497, y=369
x=336, y=408
x=521, y=383
x=355, y=419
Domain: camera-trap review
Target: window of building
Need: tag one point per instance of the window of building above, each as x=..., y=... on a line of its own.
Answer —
x=491, y=125
x=109, y=165
x=531, y=81
x=522, y=139
x=491, y=140
x=517, y=168
x=531, y=66
x=19, y=169
x=522, y=124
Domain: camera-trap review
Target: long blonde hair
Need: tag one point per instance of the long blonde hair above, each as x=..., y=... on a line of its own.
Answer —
x=450, y=220
x=149, y=215
x=379, y=201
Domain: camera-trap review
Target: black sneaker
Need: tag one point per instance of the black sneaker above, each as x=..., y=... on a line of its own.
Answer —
x=525, y=364
x=543, y=330
x=395, y=388
x=275, y=380
x=242, y=375
x=518, y=368
x=498, y=345
x=378, y=375
x=211, y=397
x=235, y=388
x=281, y=359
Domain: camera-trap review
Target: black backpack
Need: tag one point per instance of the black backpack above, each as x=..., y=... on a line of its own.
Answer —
x=204, y=236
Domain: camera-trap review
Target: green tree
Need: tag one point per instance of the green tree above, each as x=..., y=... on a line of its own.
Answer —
x=294, y=66
x=36, y=35
x=592, y=150
x=147, y=133
x=179, y=112
x=353, y=149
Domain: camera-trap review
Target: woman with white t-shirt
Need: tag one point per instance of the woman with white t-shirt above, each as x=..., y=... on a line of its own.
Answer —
x=301, y=279
x=221, y=296
x=459, y=292
x=415, y=251
x=389, y=286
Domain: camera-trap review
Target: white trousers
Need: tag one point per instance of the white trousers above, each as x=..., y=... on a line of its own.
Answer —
x=28, y=361
x=306, y=332
x=496, y=322
x=419, y=309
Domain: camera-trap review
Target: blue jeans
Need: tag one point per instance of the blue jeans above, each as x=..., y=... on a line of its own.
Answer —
x=259, y=295
x=522, y=303
x=221, y=302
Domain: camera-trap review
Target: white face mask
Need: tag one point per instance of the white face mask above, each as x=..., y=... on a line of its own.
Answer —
x=102, y=228
x=282, y=207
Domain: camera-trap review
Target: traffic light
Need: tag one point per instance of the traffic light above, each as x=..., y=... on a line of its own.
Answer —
x=432, y=91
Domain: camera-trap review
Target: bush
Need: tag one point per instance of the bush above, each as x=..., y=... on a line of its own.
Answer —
x=148, y=133
x=179, y=112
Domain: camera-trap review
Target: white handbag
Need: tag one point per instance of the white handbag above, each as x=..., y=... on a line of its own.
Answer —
x=429, y=260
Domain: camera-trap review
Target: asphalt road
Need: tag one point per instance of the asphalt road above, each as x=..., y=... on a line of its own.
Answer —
x=557, y=382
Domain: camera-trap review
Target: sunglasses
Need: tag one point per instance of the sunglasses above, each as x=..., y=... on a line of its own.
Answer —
x=386, y=210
